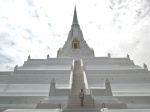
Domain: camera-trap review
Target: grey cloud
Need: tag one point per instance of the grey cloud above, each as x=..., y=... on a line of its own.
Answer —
x=99, y=26
x=111, y=7
x=135, y=11
x=8, y=67
x=27, y=34
x=143, y=13
x=19, y=50
x=49, y=24
x=4, y=18
x=90, y=22
x=120, y=1
x=56, y=34
x=112, y=3
x=65, y=35
x=48, y=47
x=35, y=14
x=5, y=59
x=30, y=2
x=5, y=39
x=39, y=41
x=3, y=35
x=29, y=31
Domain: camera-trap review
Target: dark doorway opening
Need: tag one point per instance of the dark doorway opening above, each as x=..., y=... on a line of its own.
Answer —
x=75, y=45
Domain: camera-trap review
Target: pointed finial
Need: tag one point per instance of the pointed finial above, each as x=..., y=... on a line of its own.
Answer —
x=53, y=80
x=29, y=57
x=145, y=66
x=107, y=80
x=15, y=68
x=47, y=56
x=75, y=19
x=128, y=56
x=109, y=55
x=108, y=91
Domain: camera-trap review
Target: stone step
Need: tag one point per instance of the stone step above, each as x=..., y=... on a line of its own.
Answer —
x=78, y=81
x=77, y=89
x=79, y=106
x=33, y=110
x=85, y=96
x=82, y=110
x=71, y=110
x=78, y=76
x=85, y=101
x=78, y=86
x=78, y=103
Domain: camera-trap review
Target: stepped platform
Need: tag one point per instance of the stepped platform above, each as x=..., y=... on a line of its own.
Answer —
x=82, y=110
x=32, y=110
x=75, y=110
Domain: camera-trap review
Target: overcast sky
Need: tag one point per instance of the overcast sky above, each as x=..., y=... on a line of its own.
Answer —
x=40, y=27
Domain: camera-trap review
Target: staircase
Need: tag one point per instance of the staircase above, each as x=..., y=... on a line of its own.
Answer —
x=74, y=104
x=78, y=79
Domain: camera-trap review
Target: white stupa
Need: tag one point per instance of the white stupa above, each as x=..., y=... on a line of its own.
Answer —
x=53, y=84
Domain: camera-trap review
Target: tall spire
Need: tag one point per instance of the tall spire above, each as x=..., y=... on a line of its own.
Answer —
x=75, y=19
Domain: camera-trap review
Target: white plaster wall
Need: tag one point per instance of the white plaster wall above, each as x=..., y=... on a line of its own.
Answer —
x=118, y=78
x=39, y=79
x=129, y=71
x=5, y=72
x=42, y=72
x=3, y=79
x=24, y=88
x=67, y=50
x=134, y=99
x=129, y=110
x=48, y=62
x=20, y=99
x=110, y=67
x=56, y=67
x=107, y=61
x=75, y=31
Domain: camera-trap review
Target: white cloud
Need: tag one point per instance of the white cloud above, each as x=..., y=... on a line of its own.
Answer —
x=36, y=28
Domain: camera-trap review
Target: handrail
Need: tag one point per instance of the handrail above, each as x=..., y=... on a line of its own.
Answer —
x=71, y=76
x=88, y=90
x=92, y=96
x=60, y=109
x=85, y=78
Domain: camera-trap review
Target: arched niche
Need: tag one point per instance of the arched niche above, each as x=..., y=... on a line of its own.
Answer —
x=75, y=43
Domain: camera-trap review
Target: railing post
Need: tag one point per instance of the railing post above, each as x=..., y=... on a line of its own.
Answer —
x=59, y=106
x=103, y=105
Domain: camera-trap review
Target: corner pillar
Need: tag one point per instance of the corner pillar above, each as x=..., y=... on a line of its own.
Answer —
x=15, y=68
x=145, y=66
x=108, y=91
x=52, y=91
